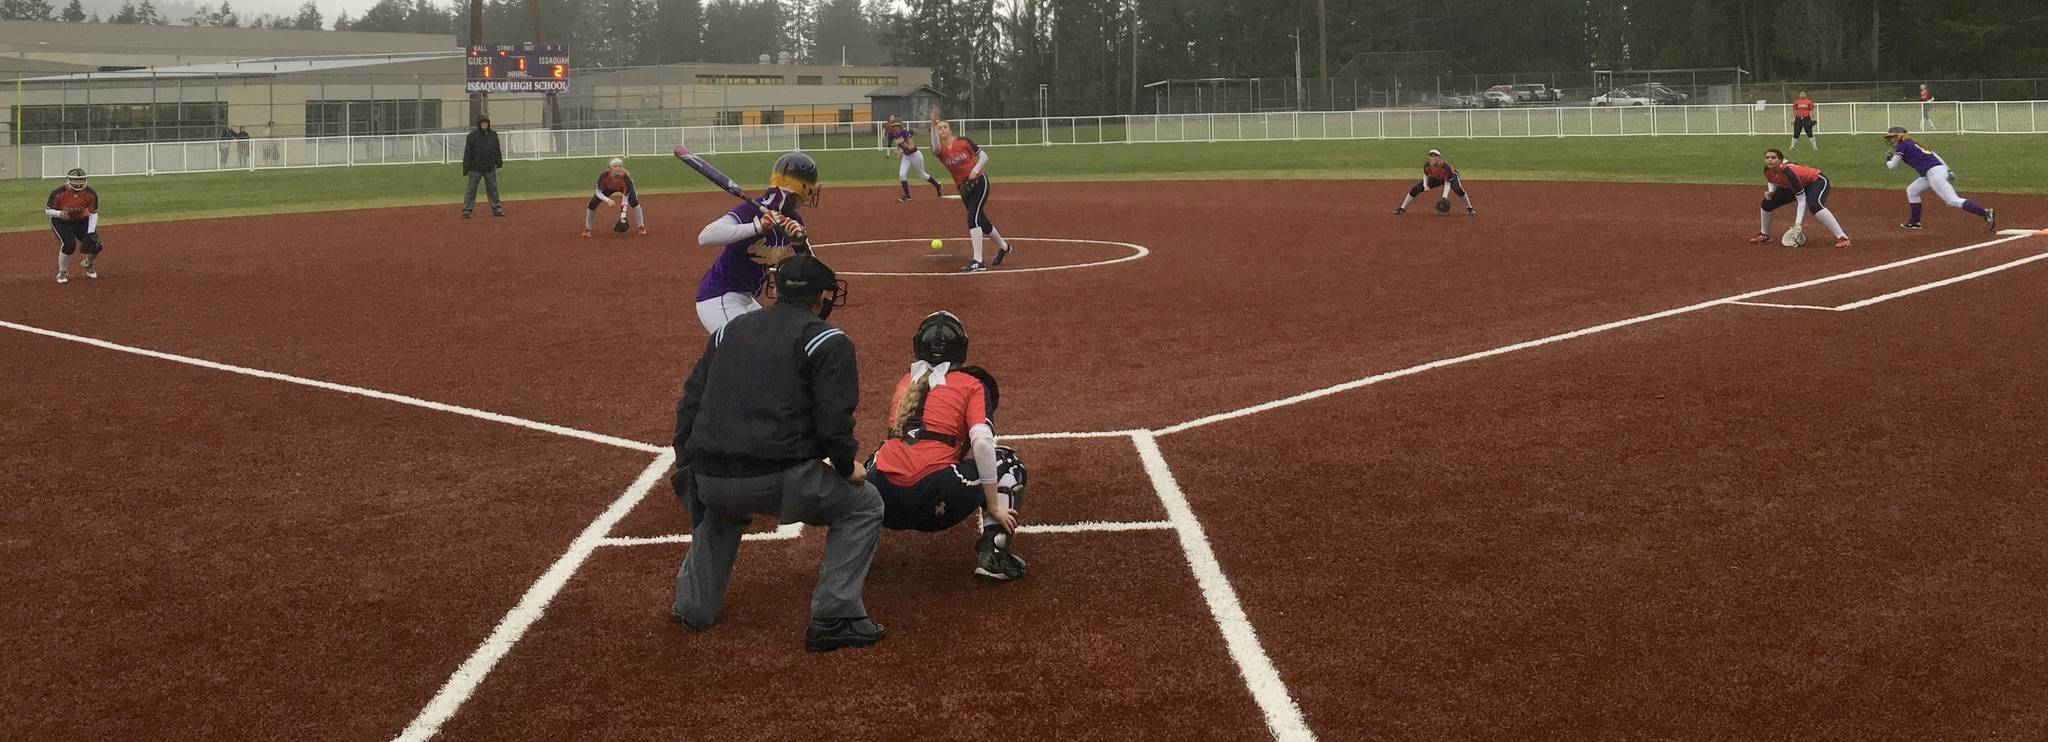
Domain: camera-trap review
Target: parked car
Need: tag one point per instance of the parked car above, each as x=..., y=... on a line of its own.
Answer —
x=1536, y=91
x=1657, y=92
x=1621, y=98
x=1497, y=99
x=1471, y=101
x=1458, y=101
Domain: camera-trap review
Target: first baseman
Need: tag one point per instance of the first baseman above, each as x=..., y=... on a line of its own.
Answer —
x=615, y=186
x=74, y=211
x=1787, y=183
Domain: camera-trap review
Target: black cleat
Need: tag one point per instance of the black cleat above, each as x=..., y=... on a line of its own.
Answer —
x=683, y=623
x=465, y=215
x=993, y=558
x=1990, y=220
x=1910, y=225
x=1398, y=212
x=936, y=190
x=1469, y=211
x=903, y=198
x=1001, y=253
x=973, y=266
x=827, y=634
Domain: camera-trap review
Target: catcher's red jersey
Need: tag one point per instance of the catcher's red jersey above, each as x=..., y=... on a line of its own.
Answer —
x=951, y=409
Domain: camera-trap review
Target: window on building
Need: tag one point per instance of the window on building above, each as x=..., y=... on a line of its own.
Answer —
x=740, y=80
x=867, y=79
x=732, y=118
x=328, y=118
x=810, y=79
x=771, y=117
x=845, y=115
x=120, y=122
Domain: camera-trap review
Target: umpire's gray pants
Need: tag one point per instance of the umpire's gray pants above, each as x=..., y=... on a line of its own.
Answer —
x=490, y=179
x=809, y=493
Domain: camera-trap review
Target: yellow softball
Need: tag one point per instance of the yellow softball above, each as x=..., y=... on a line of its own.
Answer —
x=938, y=244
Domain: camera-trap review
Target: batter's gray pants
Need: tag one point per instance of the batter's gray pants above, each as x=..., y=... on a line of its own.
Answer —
x=809, y=493
x=490, y=179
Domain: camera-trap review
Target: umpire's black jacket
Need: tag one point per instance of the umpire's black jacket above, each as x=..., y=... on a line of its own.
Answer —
x=776, y=387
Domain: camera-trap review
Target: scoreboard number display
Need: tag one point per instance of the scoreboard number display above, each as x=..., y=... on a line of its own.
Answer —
x=522, y=68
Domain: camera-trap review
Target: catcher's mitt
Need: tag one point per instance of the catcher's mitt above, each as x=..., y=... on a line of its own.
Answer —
x=1443, y=206
x=1794, y=237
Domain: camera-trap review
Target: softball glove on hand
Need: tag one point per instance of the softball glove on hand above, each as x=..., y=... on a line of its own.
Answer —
x=1794, y=237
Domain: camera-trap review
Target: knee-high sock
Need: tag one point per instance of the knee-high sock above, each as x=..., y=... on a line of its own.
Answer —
x=932, y=180
x=1467, y=197
x=589, y=218
x=1827, y=218
x=974, y=235
x=1795, y=142
x=1763, y=225
x=1973, y=207
x=1916, y=213
x=63, y=262
x=1001, y=244
x=1812, y=141
x=1409, y=200
x=639, y=217
x=906, y=186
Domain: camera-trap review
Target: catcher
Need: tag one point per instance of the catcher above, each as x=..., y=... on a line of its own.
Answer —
x=74, y=211
x=1790, y=184
x=755, y=235
x=615, y=187
x=941, y=462
x=1437, y=173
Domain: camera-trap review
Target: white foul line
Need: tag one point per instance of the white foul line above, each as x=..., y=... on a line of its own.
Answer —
x=1560, y=337
x=1938, y=284
x=1283, y=717
x=464, y=682
x=345, y=389
x=1783, y=306
x=794, y=530
x=781, y=533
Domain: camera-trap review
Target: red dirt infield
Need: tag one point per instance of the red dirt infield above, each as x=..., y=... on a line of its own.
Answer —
x=1727, y=522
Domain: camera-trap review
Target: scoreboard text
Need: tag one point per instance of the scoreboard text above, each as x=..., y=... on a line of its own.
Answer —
x=524, y=68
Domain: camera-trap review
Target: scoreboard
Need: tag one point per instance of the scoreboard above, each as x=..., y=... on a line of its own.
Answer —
x=522, y=68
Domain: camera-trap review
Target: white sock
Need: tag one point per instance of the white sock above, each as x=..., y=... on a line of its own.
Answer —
x=63, y=262
x=974, y=235
x=1813, y=141
x=639, y=217
x=1001, y=244
x=1827, y=218
x=1468, y=201
x=1406, y=201
x=589, y=216
x=1763, y=224
x=1794, y=144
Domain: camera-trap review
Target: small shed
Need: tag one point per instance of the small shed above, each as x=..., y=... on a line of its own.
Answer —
x=906, y=102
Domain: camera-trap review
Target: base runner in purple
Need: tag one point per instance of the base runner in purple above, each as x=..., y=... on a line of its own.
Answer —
x=755, y=235
x=1934, y=176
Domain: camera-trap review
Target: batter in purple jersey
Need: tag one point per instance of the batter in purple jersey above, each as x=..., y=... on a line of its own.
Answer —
x=1934, y=176
x=754, y=236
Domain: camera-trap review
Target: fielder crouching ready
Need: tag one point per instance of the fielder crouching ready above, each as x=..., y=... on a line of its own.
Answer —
x=74, y=212
x=941, y=462
x=1795, y=184
x=765, y=427
x=1437, y=173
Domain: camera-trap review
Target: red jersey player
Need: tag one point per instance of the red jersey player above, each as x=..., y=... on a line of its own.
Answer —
x=966, y=162
x=1438, y=173
x=74, y=212
x=1805, y=186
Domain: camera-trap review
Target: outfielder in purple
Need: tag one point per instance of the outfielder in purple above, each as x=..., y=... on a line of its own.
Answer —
x=1934, y=176
x=755, y=235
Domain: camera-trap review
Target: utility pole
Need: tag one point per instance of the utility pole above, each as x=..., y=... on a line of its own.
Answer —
x=1134, y=59
x=1297, y=68
x=1323, y=41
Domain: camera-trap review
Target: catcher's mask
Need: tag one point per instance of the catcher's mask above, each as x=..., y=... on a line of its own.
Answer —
x=940, y=338
x=75, y=178
x=803, y=278
x=797, y=173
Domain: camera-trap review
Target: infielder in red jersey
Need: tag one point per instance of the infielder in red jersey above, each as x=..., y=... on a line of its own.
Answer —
x=941, y=463
x=1805, y=186
x=74, y=212
x=1438, y=173
x=966, y=162
x=615, y=187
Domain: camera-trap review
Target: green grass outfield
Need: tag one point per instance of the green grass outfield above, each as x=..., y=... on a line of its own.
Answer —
x=1985, y=163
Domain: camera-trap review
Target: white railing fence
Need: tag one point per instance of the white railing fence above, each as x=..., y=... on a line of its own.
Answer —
x=1987, y=117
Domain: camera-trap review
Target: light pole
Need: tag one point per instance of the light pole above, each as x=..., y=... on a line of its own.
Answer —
x=1297, y=68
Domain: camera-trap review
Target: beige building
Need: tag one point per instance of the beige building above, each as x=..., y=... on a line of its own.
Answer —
x=92, y=83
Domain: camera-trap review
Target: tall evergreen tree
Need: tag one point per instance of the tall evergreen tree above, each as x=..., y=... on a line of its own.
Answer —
x=308, y=18
x=147, y=14
x=739, y=31
x=843, y=31
x=27, y=10
x=677, y=32
x=73, y=12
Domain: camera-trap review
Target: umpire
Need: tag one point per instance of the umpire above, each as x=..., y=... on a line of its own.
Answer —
x=769, y=402
x=481, y=158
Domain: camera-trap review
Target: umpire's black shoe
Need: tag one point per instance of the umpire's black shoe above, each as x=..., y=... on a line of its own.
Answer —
x=827, y=634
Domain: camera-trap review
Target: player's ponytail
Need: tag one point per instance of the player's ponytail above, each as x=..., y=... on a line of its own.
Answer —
x=911, y=404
